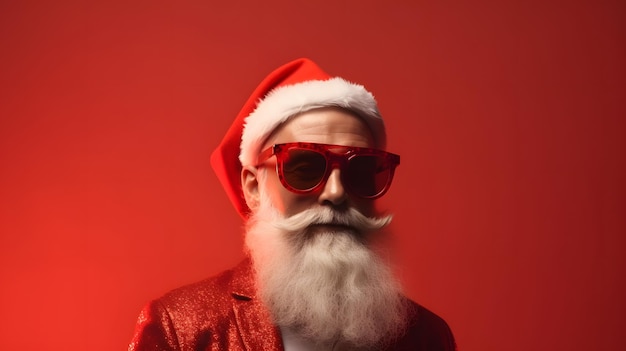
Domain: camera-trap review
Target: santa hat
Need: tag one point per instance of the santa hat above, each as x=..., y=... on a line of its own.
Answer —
x=293, y=88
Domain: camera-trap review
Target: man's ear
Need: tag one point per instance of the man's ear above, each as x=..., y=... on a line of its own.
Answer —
x=250, y=186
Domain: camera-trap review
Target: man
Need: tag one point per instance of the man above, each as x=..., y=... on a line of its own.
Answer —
x=303, y=163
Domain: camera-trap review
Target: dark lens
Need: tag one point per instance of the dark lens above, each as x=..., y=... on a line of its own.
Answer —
x=304, y=169
x=368, y=175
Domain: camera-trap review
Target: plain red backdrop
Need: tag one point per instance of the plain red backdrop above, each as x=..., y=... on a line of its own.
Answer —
x=510, y=201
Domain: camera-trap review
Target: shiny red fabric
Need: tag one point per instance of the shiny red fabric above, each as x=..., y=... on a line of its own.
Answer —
x=223, y=313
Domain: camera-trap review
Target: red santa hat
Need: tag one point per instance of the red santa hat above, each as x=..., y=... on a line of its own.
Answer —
x=293, y=88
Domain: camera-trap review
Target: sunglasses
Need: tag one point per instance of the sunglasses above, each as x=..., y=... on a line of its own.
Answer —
x=305, y=167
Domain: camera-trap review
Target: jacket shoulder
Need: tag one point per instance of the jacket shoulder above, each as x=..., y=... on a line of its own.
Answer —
x=426, y=331
x=193, y=316
x=208, y=295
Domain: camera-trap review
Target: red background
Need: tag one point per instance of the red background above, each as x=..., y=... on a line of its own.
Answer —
x=510, y=201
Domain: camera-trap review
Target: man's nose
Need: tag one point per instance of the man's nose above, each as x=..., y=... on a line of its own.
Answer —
x=333, y=191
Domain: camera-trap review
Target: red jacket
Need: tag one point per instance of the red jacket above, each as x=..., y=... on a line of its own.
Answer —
x=223, y=313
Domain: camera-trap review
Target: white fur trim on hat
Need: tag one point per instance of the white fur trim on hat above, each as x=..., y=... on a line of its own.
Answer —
x=286, y=101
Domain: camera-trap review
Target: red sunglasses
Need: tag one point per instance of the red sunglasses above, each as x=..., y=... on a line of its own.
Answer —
x=305, y=167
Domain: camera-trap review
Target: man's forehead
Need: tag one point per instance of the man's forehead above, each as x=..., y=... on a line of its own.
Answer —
x=328, y=125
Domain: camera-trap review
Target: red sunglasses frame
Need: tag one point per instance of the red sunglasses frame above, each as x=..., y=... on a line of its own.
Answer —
x=335, y=156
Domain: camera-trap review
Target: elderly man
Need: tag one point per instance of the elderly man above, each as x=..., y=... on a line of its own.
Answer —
x=303, y=163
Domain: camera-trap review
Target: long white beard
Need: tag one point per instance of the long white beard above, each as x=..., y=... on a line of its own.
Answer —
x=327, y=286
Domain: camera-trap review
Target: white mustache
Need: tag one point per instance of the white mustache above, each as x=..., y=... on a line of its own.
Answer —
x=325, y=215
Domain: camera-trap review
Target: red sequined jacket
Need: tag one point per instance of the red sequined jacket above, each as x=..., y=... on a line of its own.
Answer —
x=222, y=313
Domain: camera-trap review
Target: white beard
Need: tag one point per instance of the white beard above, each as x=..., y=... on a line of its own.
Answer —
x=325, y=284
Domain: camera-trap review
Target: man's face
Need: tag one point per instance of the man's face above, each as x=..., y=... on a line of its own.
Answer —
x=323, y=126
x=319, y=245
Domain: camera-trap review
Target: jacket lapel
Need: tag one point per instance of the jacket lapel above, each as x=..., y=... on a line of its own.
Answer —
x=253, y=321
